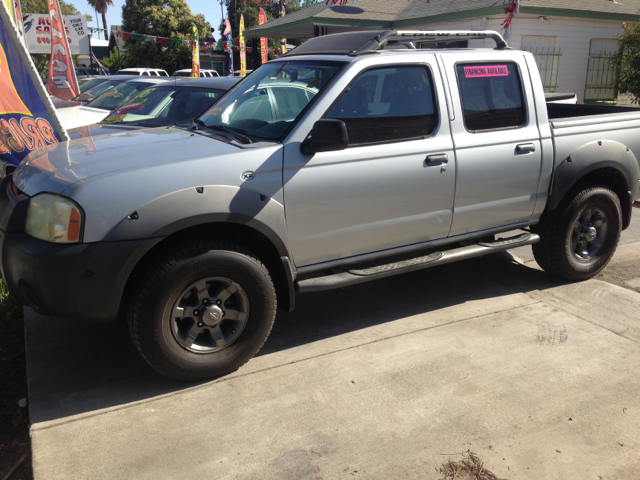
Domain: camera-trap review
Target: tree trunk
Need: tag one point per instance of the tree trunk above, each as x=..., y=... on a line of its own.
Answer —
x=104, y=24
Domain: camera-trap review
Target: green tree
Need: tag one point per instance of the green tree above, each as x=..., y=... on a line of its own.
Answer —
x=40, y=6
x=250, y=11
x=41, y=60
x=160, y=18
x=101, y=7
x=115, y=60
x=627, y=61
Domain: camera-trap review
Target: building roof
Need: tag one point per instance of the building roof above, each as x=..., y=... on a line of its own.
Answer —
x=392, y=14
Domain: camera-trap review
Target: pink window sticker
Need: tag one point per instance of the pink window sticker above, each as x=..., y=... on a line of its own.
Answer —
x=486, y=71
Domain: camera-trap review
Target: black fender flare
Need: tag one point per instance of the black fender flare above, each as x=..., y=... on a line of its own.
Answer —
x=593, y=156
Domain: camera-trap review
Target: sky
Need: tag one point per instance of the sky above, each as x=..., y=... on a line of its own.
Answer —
x=210, y=9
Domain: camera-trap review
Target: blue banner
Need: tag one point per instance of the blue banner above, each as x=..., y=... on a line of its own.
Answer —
x=227, y=36
x=25, y=121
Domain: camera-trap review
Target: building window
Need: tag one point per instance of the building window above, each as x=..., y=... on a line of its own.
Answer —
x=547, y=58
x=601, y=73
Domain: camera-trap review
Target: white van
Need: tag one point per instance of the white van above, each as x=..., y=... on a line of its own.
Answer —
x=146, y=72
x=186, y=72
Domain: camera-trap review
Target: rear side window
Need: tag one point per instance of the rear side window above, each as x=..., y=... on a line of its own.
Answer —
x=491, y=96
x=387, y=105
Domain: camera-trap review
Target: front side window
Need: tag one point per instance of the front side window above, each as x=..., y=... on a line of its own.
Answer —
x=491, y=96
x=266, y=103
x=387, y=104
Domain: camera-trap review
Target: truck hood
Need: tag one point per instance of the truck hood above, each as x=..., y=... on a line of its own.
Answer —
x=58, y=166
x=96, y=130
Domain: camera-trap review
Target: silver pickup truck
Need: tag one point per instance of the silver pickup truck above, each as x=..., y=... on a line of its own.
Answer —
x=354, y=157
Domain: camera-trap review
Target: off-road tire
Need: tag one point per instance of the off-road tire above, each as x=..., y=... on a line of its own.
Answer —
x=149, y=314
x=554, y=252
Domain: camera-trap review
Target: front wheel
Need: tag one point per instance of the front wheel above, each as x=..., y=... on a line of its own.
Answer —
x=578, y=239
x=203, y=310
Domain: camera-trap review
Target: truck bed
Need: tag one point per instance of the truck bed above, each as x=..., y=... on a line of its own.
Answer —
x=560, y=110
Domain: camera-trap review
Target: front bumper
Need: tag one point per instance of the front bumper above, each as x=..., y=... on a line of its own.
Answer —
x=78, y=281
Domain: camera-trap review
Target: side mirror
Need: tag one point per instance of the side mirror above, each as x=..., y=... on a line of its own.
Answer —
x=327, y=135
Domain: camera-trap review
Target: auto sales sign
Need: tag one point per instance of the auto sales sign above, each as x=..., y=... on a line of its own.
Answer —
x=37, y=27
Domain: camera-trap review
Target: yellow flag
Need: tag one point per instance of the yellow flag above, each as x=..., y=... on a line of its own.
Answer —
x=283, y=41
x=195, y=52
x=243, y=49
x=12, y=10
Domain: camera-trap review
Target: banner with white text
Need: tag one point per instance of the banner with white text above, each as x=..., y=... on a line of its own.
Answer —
x=61, y=78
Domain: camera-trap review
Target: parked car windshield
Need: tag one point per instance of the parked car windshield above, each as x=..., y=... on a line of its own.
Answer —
x=267, y=102
x=164, y=105
x=116, y=96
x=96, y=90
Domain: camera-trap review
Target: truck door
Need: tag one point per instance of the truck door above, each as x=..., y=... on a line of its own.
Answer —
x=496, y=139
x=393, y=185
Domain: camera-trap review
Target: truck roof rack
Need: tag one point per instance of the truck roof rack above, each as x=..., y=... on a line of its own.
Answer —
x=368, y=41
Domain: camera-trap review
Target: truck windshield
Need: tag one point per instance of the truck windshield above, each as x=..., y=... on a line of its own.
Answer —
x=269, y=100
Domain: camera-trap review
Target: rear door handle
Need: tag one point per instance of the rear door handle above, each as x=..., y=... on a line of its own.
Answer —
x=526, y=148
x=437, y=159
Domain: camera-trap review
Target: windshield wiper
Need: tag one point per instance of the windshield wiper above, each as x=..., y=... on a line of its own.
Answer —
x=232, y=131
x=195, y=122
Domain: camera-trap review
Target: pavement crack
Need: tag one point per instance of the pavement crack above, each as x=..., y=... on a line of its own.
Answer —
x=555, y=302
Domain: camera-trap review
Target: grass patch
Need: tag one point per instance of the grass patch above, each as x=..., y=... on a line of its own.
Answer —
x=7, y=302
x=469, y=468
x=15, y=443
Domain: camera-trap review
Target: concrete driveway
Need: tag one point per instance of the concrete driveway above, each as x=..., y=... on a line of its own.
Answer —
x=387, y=380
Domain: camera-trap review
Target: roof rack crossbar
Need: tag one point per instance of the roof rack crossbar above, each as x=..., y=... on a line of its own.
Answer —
x=410, y=36
x=501, y=44
x=361, y=42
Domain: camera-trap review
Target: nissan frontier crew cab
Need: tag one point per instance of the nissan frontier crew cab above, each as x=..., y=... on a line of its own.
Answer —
x=354, y=157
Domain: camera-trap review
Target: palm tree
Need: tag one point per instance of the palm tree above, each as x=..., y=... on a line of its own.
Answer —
x=101, y=7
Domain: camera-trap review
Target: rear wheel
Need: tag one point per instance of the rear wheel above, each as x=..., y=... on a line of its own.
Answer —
x=578, y=238
x=203, y=310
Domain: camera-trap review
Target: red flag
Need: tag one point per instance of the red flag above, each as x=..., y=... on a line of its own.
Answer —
x=61, y=79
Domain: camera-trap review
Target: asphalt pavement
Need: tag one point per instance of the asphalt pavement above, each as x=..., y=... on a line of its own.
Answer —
x=386, y=380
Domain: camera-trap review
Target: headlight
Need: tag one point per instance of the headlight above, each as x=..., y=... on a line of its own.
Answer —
x=53, y=218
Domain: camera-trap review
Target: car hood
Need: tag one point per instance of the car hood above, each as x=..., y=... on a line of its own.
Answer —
x=68, y=103
x=58, y=166
x=96, y=130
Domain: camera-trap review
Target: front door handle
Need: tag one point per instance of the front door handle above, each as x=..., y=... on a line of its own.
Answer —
x=525, y=148
x=438, y=159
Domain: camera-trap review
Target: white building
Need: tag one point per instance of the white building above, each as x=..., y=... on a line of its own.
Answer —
x=572, y=40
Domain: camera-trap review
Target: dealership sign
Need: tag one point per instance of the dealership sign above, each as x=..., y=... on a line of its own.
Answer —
x=37, y=27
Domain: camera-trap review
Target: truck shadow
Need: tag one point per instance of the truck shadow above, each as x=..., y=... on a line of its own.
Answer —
x=76, y=368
